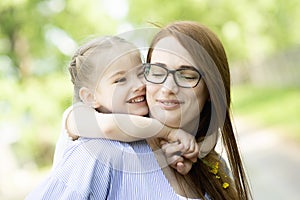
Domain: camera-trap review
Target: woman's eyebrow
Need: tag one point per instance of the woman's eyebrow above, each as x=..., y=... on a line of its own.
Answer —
x=160, y=64
x=186, y=67
x=180, y=66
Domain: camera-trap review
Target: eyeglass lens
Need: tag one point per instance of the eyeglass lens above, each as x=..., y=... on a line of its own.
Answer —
x=183, y=77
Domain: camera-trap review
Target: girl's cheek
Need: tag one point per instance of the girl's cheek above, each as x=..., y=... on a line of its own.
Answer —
x=150, y=91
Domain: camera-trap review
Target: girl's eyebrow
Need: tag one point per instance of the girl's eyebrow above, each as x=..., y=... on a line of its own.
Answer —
x=117, y=74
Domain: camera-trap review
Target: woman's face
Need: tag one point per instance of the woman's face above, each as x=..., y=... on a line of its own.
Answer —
x=170, y=104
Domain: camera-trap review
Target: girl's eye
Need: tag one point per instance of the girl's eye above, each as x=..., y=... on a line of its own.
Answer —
x=120, y=80
x=140, y=74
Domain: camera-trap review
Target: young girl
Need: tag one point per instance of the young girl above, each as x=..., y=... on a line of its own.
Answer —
x=107, y=75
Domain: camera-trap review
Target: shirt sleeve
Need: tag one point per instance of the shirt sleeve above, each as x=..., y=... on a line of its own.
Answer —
x=83, y=173
x=63, y=140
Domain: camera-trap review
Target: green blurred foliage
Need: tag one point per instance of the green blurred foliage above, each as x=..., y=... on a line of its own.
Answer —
x=33, y=31
x=248, y=29
x=31, y=113
x=272, y=107
x=38, y=37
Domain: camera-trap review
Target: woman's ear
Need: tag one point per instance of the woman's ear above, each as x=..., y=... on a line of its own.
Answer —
x=88, y=97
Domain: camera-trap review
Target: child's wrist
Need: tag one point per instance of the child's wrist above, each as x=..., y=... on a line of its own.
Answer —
x=165, y=132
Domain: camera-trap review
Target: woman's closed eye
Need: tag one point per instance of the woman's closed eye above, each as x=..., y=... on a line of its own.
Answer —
x=188, y=75
x=158, y=74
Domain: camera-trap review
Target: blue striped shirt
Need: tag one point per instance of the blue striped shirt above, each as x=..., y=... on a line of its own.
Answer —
x=106, y=169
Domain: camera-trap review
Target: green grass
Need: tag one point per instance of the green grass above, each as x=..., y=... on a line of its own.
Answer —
x=270, y=107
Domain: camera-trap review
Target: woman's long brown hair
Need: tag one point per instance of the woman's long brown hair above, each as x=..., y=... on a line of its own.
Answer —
x=208, y=52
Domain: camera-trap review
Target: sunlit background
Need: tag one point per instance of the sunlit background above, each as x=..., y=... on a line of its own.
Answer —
x=38, y=37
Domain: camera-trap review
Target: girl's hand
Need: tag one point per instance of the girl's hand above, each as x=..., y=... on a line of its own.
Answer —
x=187, y=142
x=176, y=159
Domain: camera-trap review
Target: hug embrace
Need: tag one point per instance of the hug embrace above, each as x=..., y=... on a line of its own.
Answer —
x=149, y=130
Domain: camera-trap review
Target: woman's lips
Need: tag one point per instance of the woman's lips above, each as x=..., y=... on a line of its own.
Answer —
x=169, y=104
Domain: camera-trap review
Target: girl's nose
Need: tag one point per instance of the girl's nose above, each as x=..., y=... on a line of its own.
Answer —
x=139, y=84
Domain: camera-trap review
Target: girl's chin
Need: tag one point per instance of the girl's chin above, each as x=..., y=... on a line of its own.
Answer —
x=140, y=112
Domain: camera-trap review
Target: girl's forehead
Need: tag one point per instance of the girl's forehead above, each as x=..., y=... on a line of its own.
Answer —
x=125, y=62
x=105, y=57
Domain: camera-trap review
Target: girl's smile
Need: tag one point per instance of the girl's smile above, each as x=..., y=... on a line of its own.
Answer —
x=137, y=99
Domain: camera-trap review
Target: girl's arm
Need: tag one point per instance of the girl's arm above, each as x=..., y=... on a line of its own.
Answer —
x=86, y=122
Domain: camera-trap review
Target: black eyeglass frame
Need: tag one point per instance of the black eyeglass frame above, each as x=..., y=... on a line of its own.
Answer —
x=147, y=65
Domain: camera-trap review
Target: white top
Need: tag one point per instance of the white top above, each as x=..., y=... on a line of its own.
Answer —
x=64, y=140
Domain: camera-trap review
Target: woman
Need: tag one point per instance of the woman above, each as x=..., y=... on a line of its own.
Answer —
x=188, y=77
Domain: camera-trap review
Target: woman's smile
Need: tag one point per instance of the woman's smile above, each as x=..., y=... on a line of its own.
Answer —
x=169, y=104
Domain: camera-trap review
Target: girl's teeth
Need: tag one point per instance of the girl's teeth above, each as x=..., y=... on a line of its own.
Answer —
x=137, y=100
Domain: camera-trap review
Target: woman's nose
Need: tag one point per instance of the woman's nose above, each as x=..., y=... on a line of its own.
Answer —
x=170, y=85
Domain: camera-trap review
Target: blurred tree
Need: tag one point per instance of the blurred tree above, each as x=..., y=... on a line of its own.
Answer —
x=248, y=29
x=39, y=35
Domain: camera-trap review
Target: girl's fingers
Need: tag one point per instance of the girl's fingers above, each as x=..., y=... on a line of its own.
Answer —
x=184, y=167
x=192, y=156
x=171, y=149
x=192, y=146
x=162, y=142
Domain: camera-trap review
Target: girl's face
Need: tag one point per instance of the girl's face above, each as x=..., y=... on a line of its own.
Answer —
x=170, y=104
x=121, y=88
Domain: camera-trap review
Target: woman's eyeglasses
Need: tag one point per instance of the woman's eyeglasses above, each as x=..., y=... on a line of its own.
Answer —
x=185, y=76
